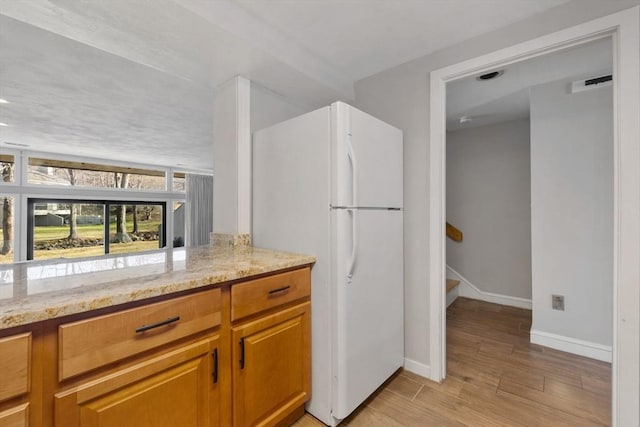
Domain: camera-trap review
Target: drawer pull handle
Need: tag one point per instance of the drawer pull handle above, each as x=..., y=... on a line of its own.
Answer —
x=279, y=290
x=242, y=353
x=158, y=324
x=215, y=365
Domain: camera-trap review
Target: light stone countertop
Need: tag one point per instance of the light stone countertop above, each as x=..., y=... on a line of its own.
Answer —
x=41, y=290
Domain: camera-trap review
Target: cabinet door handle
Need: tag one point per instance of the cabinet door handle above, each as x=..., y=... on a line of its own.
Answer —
x=214, y=355
x=278, y=290
x=242, y=353
x=157, y=324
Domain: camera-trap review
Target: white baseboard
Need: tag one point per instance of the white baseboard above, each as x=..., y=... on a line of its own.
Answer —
x=572, y=345
x=468, y=290
x=417, y=368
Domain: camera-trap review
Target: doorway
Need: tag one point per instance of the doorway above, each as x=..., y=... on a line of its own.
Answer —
x=529, y=173
x=623, y=28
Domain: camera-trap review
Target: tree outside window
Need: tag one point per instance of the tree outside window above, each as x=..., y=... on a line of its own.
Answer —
x=6, y=168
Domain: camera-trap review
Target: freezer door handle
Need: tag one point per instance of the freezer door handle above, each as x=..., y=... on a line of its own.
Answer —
x=353, y=213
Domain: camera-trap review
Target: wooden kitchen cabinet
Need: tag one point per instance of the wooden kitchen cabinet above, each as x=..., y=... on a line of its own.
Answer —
x=174, y=361
x=178, y=388
x=271, y=356
x=271, y=367
x=17, y=401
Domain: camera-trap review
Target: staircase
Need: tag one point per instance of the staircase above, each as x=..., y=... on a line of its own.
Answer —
x=451, y=285
x=452, y=290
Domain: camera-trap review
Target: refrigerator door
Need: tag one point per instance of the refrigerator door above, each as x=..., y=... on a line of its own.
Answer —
x=368, y=322
x=367, y=160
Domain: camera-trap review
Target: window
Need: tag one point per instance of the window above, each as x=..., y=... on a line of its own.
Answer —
x=70, y=207
x=179, y=180
x=82, y=174
x=6, y=167
x=179, y=212
x=76, y=228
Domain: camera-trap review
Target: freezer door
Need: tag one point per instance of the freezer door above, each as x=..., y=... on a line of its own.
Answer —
x=367, y=160
x=369, y=319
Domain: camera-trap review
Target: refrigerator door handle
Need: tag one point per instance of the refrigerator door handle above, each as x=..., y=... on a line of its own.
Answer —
x=354, y=243
x=354, y=172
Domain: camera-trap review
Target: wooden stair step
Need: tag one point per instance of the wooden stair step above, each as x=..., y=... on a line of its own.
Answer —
x=451, y=284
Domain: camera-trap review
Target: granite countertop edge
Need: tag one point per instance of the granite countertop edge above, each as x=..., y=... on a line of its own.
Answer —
x=24, y=310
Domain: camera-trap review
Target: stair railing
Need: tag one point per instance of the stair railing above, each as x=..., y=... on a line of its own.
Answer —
x=453, y=233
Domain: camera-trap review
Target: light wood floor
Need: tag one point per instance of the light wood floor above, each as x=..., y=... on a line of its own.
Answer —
x=495, y=377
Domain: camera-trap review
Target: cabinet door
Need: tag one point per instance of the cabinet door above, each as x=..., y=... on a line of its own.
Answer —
x=15, y=417
x=271, y=367
x=178, y=388
x=15, y=365
x=16, y=396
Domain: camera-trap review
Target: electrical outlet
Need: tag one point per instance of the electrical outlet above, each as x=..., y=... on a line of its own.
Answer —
x=557, y=302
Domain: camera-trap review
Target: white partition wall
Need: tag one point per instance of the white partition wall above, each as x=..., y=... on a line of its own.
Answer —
x=232, y=157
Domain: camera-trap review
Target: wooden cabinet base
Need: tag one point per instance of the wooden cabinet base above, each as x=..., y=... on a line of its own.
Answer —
x=294, y=416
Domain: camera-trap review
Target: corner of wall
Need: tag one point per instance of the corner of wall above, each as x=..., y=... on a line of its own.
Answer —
x=417, y=368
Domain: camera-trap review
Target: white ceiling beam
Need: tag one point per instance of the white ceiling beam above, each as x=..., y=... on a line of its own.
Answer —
x=232, y=18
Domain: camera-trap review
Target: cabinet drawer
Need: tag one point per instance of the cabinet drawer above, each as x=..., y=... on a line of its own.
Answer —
x=262, y=294
x=95, y=342
x=15, y=365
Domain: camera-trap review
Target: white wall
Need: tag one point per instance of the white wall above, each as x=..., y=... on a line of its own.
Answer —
x=269, y=108
x=240, y=107
x=572, y=211
x=489, y=199
x=400, y=96
x=227, y=132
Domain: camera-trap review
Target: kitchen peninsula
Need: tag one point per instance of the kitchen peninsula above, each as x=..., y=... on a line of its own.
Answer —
x=205, y=336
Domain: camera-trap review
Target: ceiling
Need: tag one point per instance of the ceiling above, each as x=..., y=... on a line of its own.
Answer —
x=133, y=80
x=506, y=97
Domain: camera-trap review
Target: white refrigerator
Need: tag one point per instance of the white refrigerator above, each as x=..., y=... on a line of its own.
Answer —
x=329, y=183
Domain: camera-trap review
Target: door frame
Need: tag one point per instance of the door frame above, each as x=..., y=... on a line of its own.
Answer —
x=624, y=29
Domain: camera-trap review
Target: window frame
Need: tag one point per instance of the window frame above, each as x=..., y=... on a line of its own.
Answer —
x=31, y=202
x=21, y=191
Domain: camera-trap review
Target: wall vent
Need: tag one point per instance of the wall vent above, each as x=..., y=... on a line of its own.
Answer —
x=591, y=83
